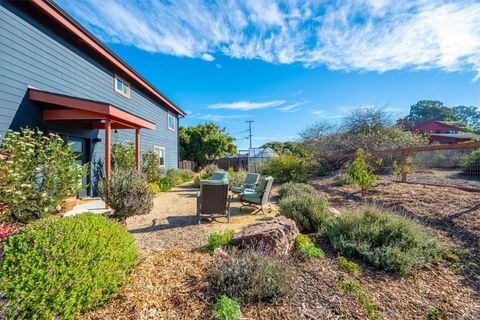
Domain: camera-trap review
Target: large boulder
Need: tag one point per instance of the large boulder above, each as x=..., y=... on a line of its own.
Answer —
x=277, y=236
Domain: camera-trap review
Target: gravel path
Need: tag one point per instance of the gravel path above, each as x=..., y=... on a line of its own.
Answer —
x=173, y=224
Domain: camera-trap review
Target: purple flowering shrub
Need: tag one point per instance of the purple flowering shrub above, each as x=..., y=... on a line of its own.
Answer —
x=60, y=268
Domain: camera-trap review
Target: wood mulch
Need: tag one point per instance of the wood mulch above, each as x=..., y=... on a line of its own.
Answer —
x=172, y=283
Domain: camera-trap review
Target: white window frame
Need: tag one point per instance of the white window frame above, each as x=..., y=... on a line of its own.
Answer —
x=127, y=95
x=156, y=148
x=174, y=122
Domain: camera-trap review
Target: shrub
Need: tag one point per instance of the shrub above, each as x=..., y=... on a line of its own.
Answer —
x=127, y=193
x=180, y=176
x=6, y=230
x=386, y=241
x=123, y=155
x=39, y=173
x=250, y=276
x=236, y=178
x=434, y=314
x=287, y=168
x=219, y=239
x=471, y=162
x=308, y=211
x=360, y=172
x=307, y=248
x=151, y=166
x=154, y=187
x=59, y=268
x=295, y=189
x=227, y=309
x=202, y=175
x=353, y=287
x=165, y=184
x=348, y=266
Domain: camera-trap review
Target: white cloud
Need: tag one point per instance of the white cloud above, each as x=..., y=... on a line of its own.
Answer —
x=246, y=105
x=317, y=113
x=367, y=35
x=292, y=107
x=214, y=117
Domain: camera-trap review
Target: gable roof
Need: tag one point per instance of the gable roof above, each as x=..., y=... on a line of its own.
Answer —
x=67, y=25
x=439, y=122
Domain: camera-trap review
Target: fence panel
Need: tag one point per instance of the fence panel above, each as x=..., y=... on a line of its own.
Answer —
x=455, y=165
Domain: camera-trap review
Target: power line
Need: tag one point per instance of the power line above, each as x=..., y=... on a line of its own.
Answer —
x=250, y=131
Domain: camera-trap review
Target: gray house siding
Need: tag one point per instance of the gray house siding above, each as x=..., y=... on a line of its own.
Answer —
x=32, y=55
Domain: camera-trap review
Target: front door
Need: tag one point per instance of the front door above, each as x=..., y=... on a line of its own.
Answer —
x=80, y=147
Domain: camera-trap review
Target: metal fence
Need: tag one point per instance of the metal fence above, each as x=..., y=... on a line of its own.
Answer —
x=251, y=160
x=455, y=165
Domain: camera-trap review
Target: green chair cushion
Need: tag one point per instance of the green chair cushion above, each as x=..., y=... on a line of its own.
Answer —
x=219, y=175
x=237, y=189
x=251, y=197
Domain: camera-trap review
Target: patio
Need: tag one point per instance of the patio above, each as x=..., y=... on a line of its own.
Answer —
x=173, y=222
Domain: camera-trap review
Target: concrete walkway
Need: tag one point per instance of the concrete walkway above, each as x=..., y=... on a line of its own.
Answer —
x=95, y=205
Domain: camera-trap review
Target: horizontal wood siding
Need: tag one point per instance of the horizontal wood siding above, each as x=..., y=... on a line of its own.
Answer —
x=32, y=55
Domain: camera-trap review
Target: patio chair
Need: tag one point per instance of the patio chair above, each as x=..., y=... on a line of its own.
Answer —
x=258, y=197
x=218, y=177
x=251, y=181
x=213, y=200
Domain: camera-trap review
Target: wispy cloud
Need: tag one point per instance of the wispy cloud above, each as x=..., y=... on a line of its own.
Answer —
x=342, y=35
x=292, y=107
x=246, y=105
x=214, y=117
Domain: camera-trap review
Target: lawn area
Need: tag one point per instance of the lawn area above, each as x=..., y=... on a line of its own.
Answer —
x=172, y=279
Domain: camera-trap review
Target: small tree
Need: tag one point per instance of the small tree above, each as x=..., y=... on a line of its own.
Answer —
x=123, y=155
x=360, y=172
x=38, y=173
x=151, y=166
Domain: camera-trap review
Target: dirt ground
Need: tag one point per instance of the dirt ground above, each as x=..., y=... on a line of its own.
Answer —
x=173, y=222
x=171, y=281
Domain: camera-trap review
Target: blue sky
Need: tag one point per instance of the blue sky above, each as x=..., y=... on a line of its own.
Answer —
x=288, y=64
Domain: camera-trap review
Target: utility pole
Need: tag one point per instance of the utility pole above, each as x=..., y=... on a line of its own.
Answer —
x=250, y=131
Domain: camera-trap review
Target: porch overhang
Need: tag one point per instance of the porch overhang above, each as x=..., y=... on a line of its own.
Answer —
x=74, y=108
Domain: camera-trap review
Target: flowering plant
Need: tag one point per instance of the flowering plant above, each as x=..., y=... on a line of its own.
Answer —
x=39, y=173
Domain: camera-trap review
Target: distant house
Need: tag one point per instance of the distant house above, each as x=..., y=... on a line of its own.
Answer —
x=57, y=76
x=443, y=133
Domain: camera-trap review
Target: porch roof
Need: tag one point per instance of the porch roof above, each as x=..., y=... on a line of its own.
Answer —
x=74, y=108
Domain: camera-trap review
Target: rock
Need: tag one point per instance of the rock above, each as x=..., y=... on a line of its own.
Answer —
x=277, y=236
x=334, y=211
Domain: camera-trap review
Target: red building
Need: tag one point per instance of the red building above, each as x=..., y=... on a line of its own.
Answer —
x=443, y=133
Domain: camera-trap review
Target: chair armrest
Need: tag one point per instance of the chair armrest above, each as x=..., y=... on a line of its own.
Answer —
x=199, y=205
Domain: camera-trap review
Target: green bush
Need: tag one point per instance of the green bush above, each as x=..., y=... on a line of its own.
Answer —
x=250, y=276
x=384, y=240
x=59, y=268
x=360, y=172
x=306, y=248
x=127, y=193
x=471, y=162
x=287, y=167
x=123, y=155
x=227, y=309
x=295, y=189
x=151, y=166
x=37, y=174
x=348, y=266
x=434, y=314
x=165, y=184
x=309, y=212
x=219, y=239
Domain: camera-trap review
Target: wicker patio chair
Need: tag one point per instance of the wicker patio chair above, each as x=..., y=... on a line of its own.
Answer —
x=213, y=201
x=259, y=197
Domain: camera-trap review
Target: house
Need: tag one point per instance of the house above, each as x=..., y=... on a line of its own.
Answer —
x=57, y=76
x=443, y=133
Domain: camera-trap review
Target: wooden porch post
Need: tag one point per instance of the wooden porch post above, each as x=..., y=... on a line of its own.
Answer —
x=137, y=149
x=108, y=136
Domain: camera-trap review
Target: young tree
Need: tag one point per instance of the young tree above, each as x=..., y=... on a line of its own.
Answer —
x=205, y=142
x=360, y=172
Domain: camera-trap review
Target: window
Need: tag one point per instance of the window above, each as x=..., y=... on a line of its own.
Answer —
x=171, y=121
x=160, y=151
x=121, y=86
